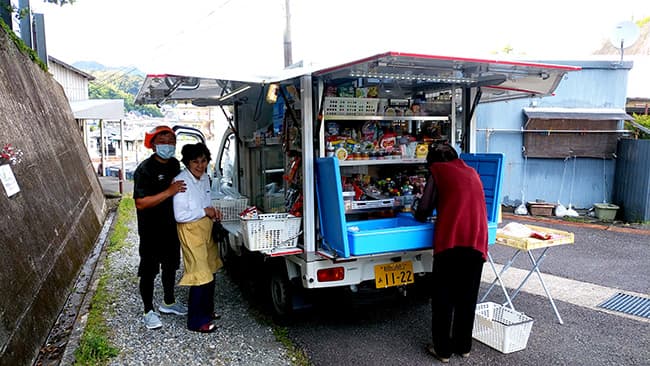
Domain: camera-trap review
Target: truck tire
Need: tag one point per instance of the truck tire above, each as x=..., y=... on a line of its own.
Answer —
x=225, y=252
x=282, y=293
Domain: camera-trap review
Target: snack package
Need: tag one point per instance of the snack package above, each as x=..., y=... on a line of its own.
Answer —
x=249, y=213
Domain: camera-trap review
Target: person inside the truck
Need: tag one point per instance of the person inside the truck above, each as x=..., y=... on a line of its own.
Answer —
x=195, y=217
x=159, y=246
x=460, y=245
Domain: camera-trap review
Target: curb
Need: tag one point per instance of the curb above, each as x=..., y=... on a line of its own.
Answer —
x=606, y=227
x=96, y=264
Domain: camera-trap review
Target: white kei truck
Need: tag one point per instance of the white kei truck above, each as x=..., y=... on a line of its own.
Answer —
x=332, y=160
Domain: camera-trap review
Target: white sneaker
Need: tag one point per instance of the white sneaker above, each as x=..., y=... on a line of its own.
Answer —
x=152, y=320
x=175, y=308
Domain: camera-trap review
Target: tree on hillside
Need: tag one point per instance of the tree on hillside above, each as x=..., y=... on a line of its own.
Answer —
x=122, y=80
x=643, y=120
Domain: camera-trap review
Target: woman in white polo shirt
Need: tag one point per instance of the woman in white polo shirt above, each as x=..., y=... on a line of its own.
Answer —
x=195, y=216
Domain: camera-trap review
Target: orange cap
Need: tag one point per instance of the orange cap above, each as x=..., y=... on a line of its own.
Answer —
x=148, y=136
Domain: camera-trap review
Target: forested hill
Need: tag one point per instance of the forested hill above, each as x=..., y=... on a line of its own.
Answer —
x=117, y=83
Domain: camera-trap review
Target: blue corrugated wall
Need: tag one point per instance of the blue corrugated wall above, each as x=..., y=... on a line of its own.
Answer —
x=632, y=183
x=600, y=84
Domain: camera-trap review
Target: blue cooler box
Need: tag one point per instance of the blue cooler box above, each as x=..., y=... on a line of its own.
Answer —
x=394, y=234
x=388, y=235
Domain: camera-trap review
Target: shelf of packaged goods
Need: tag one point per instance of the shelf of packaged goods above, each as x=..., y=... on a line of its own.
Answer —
x=385, y=118
x=380, y=162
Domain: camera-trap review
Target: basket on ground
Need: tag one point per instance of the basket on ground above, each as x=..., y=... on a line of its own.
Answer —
x=230, y=208
x=271, y=231
x=501, y=328
x=339, y=106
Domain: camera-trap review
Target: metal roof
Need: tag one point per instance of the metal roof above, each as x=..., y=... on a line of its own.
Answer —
x=594, y=114
x=71, y=68
x=106, y=109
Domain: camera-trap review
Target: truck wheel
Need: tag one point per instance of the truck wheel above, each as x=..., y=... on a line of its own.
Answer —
x=224, y=251
x=281, y=294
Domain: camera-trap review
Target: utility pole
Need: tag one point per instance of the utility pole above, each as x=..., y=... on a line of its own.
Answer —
x=287, y=35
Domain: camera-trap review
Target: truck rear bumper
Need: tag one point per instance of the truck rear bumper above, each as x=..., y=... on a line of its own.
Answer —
x=358, y=269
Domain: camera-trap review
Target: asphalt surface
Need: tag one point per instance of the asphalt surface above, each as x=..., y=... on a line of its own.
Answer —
x=603, y=261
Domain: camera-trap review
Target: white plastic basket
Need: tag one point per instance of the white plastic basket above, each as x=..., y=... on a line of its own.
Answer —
x=501, y=328
x=338, y=106
x=274, y=202
x=271, y=231
x=230, y=208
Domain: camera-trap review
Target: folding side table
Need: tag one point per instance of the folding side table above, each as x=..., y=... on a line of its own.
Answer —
x=527, y=245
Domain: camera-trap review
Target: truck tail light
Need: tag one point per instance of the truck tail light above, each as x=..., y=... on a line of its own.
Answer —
x=330, y=274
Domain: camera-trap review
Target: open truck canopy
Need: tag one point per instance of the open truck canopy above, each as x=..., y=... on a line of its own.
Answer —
x=274, y=144
x=498, y=80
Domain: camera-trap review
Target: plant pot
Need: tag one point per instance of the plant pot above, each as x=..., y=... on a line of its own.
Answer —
x=605, y=211
x=541, y=208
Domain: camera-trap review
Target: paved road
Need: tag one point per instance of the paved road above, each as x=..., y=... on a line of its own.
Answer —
x=580, y=276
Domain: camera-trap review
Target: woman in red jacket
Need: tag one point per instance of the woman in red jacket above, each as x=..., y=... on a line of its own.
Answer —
x=455, y=191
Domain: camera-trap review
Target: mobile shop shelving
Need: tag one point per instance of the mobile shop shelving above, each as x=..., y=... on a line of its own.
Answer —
x=279, y=138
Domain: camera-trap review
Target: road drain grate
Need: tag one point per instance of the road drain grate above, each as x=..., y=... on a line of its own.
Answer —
x=628, y=304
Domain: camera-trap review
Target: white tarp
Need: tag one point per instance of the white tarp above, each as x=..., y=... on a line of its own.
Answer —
x=105, y=109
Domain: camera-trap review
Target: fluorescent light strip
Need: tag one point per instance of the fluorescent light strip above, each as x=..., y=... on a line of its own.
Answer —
x=421, y=77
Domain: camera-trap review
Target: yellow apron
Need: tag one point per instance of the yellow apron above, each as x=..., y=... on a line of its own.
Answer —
x=200, y=252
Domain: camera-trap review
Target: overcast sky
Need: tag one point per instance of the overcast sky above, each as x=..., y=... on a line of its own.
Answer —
x=246, y=36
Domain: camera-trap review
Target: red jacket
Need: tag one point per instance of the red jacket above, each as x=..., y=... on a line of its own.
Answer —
x=458, y=197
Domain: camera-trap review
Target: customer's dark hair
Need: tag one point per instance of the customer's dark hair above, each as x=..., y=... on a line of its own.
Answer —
x=441, y=152
x=193, y=151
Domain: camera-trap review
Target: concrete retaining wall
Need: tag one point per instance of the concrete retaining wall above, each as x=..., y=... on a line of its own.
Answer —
x=47, y=229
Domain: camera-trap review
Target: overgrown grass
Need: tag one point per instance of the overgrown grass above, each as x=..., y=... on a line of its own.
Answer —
x=22, y=47
x=125, y=212
x=297, y=355
x=94, y=346
x=578, y=219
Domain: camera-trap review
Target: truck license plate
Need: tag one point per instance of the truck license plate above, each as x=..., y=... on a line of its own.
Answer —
x=393, y=274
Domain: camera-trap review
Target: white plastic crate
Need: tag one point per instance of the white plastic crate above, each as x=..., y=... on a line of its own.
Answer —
x=230, y=208
x=501, y=328
x=274, y=202
x=271, y=231
x=338, y=106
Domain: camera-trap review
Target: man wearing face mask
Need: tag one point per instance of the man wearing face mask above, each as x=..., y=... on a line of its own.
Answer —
x=159, y=249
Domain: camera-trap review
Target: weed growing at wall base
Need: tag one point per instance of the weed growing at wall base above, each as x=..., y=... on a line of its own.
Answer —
x=125, y=212
x=94, y=347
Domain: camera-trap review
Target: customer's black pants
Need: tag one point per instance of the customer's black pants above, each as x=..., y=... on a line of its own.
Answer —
x=456, y=280
x=167, y=277
x=200, y=305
